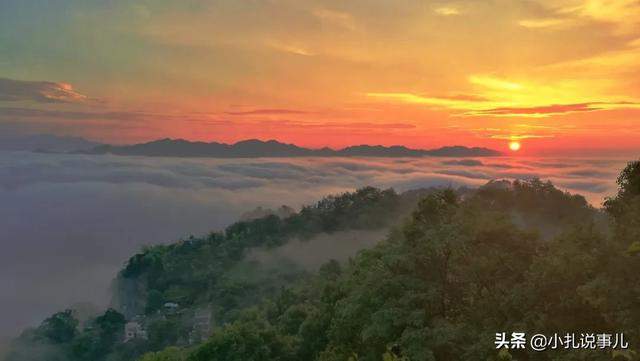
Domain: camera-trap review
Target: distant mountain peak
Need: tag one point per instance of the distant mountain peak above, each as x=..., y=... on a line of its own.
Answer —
x=252, y=141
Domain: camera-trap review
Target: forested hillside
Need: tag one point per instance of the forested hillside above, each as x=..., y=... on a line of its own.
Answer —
x=221, y=272
x=455, y=268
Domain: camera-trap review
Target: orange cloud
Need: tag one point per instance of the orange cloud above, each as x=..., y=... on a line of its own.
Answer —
x=542, y=110
x=520, y=136
x=268, y=112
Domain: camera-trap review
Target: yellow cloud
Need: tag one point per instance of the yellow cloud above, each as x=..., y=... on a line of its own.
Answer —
x=445, y=102
x=494, y=83
x=339, y=18
x=500, y=97
x=625, y=14
x=545, y=23
x=290, y=48
x=447, y=10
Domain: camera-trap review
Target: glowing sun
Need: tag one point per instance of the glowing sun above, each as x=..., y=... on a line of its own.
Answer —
x=514, y=146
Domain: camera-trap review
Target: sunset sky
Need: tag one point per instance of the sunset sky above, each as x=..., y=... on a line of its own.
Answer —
x=556, y=76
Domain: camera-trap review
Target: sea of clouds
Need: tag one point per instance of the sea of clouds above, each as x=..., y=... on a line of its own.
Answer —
x=69, y=222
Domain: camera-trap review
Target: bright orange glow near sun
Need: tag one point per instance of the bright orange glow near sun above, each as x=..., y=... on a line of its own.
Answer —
x=514, y=146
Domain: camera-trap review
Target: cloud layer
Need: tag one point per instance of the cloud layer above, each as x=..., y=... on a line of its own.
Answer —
x=68, y=222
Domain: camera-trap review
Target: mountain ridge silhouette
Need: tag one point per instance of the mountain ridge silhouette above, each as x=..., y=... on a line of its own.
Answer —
x=255, y=148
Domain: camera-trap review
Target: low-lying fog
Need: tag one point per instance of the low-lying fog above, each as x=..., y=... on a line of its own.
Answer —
x=68, y=222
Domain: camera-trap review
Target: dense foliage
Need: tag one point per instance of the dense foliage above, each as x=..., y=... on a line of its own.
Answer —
x=510, y=256
x=209, y=269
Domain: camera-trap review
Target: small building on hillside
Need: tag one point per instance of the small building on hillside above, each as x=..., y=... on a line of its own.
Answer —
x=134, y=330
x=202, y=325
